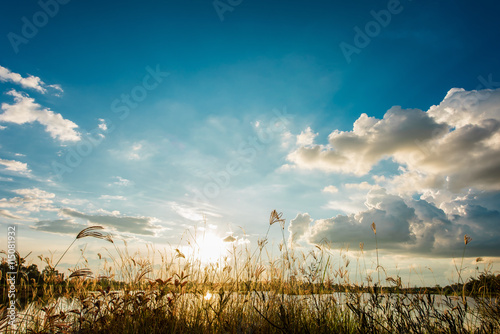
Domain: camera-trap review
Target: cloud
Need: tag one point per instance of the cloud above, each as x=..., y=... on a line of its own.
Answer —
x=135, y=152
x=25, y=110
x=306, y=137
x=390, y=211
x=286, y=139
x=32, y=200
x=136, y=225
x=186, y=212
x=431, y=145
x=7, y=214
x=102, y=124
x=357, y=151
x=359, y=186
x=16, y=167
x=111, y=197
x=446, y=184
x=347, y=205
x=409, y=226
x=30, y=82
x=229, y=238
x=120, y=181
x=331, y=189
x=61, y=226
x=298, y=227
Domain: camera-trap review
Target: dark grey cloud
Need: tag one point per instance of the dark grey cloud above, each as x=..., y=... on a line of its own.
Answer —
x=61, y=226
x=136, y=225
x=390, y=213
x=412, y=227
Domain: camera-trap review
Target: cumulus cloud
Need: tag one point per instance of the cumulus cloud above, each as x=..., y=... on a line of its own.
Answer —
x=32, y=200
x=26, y=110
x=298, y=227
x=102, y=124
x=447, y=182
x=30, y=82
x=359, y=186
x=391, y=211
x=16, y=167
x=306, y=137
x=431, y=145
x=136, y=225
x=412, y=226
x=330, y=189
x=371, y=140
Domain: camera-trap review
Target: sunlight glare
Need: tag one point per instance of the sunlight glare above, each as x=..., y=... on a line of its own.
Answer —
x=208, y=296
x=211, y=248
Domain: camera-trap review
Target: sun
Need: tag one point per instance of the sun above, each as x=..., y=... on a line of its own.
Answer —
x=210, y=248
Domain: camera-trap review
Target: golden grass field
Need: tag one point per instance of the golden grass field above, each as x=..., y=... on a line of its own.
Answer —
x=249, y=290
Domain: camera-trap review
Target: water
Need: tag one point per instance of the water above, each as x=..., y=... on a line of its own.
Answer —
x=363, y=301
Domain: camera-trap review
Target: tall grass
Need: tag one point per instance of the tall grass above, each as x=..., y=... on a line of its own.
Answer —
x=250, y=290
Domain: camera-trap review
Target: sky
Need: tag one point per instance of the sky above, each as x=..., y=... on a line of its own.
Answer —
x=146, y=116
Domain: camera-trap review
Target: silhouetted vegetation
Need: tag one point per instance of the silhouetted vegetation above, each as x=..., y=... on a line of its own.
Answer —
x=290, y=293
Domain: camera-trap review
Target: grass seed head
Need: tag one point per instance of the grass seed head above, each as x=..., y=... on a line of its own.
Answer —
x=92, y=232
x=85, y=272
x=276, y=217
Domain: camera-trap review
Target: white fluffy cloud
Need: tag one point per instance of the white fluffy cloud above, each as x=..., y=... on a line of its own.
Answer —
x=32, y=200
x=454, y=145
x=330, y=189
x=30, y=82
x=25, y=110
x=447, y=183
x=16, y=167
x=298, y=227
x=306, y=137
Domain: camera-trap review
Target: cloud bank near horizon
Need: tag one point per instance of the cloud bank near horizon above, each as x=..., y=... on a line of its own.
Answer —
x=447, y=185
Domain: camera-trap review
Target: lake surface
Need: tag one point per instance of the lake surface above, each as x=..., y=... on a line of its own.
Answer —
x=317, y=301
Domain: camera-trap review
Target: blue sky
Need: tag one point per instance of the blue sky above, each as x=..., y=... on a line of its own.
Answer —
x=143, y=116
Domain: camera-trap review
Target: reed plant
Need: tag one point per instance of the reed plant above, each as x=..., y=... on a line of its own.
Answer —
x=249, y=290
